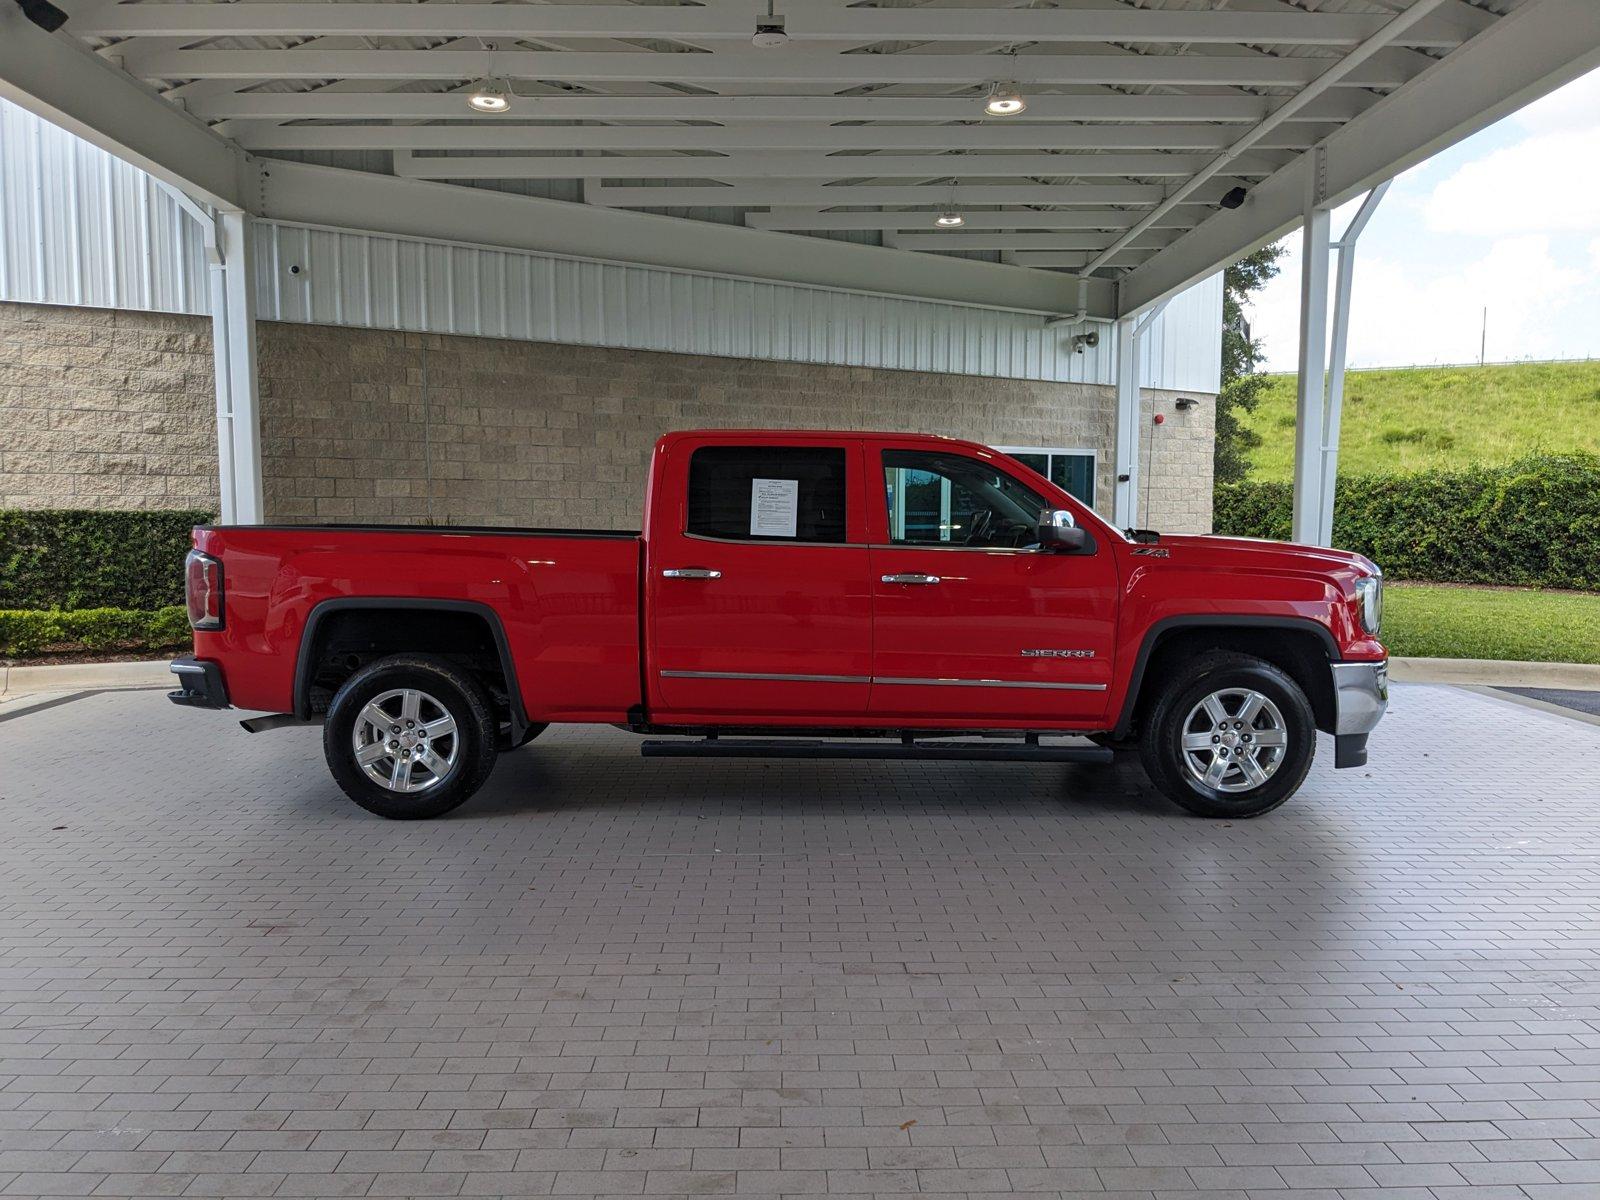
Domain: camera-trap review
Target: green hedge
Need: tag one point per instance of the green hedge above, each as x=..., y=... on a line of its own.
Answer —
x=1531, y=523
x=81, y=559
x=27, y=632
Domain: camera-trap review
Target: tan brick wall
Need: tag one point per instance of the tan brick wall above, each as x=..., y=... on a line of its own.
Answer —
x=371, y=425
x=103, y=409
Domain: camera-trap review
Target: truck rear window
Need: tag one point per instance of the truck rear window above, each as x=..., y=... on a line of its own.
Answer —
x=768, y=493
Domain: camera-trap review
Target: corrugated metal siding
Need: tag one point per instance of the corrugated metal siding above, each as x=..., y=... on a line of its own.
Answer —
x=1182, y=349
x=78, y=226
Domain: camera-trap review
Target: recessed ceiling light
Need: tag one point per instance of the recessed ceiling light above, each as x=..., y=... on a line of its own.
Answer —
x=950, y=220
x=490, y=96
x=1004, y=100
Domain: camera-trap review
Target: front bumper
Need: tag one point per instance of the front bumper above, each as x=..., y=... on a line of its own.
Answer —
x=200, y=684
x=1360, y=697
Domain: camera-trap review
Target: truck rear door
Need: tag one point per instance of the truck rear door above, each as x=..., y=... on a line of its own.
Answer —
x=758, y=590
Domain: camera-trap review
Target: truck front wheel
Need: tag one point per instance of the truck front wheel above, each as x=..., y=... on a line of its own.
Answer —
x=1230, y=736
x=409, y=737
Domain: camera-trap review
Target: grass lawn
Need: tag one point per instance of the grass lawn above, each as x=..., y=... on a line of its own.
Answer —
x=1422, y=418
x=1432, y=621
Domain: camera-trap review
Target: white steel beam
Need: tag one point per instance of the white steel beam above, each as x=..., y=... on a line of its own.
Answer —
x=55, y=78
x=324, y=104
x=1333, y=409
x=941, y=194
x=497, y=134
x=344, y=199
x=1340, y=72
x=1311, y=384
x=1069, y=261
x=811, y=166
x=956, y=240
x=806, y=23
x=756, y=66
x=1066, y=219
x=1541, y=45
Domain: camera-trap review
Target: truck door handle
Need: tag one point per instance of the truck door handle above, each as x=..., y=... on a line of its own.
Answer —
x=912, y=578
x=690, y=573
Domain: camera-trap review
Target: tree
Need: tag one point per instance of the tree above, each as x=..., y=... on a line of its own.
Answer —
x=1241, y=353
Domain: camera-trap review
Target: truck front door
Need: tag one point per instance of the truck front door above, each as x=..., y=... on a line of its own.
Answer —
x=758, y=587
x=973, y=621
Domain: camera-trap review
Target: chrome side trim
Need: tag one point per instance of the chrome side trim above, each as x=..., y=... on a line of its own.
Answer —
x=789, y=542
x=1360, y=696
x=763, y=675
x=996, y=683
x=775, y=678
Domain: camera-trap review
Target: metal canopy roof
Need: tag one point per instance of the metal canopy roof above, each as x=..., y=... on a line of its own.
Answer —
x=857, y=133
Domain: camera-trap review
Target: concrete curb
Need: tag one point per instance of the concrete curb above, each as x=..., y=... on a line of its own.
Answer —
x=1584, y=677
x=72, y=677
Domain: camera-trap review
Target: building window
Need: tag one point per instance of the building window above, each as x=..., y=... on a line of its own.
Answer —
x=1070, y=470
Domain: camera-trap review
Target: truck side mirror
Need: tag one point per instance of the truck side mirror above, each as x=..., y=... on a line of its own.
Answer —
x=1058, y=530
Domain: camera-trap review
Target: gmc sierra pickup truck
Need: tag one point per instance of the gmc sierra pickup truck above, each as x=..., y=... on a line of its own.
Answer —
x=801, y=594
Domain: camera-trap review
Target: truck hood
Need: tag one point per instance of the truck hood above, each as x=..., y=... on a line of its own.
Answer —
x=1258, y=554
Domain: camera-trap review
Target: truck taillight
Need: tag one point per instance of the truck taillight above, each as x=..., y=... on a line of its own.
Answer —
x=202, y=586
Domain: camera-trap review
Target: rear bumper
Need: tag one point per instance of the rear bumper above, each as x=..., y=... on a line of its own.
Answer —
x=1361, y=696
x=200, y=684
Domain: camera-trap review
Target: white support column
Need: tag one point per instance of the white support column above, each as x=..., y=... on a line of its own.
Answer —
x=233, y=333
x=230, y=257
x=1334, y=410
x=1125, y=461
x=1125, y=492
x=1311, y=395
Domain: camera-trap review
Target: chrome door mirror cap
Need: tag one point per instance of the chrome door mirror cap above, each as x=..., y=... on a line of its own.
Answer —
x=1059, y=530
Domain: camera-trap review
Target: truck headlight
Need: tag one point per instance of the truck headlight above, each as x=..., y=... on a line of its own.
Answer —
x=1369, y=592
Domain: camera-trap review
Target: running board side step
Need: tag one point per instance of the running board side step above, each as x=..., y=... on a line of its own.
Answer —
x=719, y=747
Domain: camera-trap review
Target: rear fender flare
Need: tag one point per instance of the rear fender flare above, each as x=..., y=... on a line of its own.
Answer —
x=314, y=619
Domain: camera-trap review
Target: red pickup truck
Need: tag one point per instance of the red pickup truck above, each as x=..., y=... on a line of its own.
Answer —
x=800, y=594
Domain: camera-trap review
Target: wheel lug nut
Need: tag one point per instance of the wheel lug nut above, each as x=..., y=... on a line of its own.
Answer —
x=394, y=729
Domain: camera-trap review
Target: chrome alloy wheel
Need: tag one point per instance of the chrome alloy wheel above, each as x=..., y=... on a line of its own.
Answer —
x=405, y=740
x=1234, y=740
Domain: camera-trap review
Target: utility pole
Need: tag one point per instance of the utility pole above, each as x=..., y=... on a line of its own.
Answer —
x=1483, y=337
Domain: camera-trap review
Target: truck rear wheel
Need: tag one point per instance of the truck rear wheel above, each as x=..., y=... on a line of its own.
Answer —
x=1231, y=736
x=410, y=737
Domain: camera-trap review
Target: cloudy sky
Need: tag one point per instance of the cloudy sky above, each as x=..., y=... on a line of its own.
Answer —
x=1509, y=219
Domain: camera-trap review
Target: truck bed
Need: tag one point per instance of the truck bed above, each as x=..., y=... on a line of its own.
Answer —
x=562, y=605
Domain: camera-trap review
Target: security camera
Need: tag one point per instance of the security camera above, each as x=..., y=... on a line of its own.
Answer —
x=1185, y=403
x=43, y=14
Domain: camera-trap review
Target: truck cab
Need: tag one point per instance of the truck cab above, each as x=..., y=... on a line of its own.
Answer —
x=803, y=592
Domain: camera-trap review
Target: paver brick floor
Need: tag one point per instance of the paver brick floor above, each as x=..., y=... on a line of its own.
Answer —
x=616, y=976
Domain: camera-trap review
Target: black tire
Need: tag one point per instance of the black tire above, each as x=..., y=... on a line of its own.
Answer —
x=1167, y=763
x=445, y=685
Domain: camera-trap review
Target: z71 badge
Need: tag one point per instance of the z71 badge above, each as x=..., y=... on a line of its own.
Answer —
x=1058, y=654
x=1150, y=552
